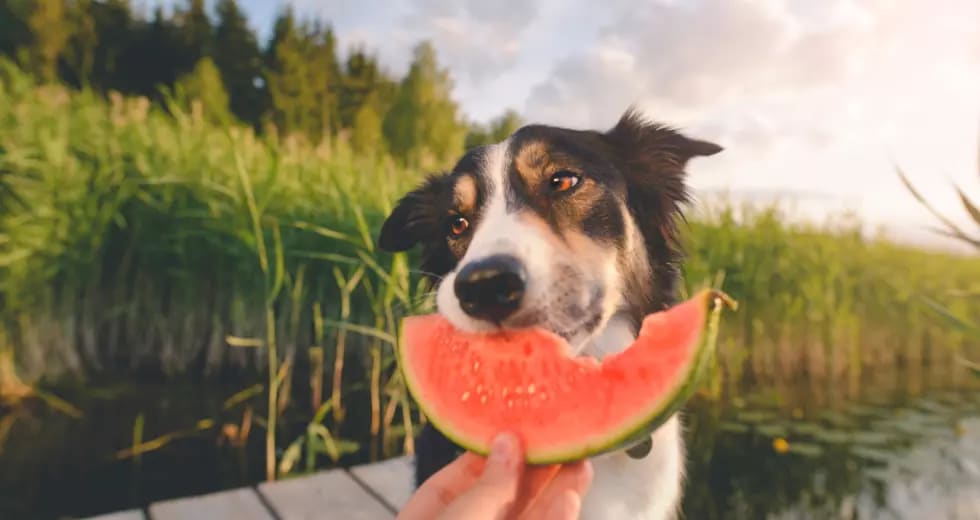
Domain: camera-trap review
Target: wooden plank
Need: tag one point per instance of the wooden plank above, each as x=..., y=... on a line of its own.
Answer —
x=328, y=494
x=393, y=480
x=129, y=514
x=237, y=504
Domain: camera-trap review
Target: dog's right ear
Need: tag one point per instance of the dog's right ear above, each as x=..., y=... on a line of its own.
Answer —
x=418, y=216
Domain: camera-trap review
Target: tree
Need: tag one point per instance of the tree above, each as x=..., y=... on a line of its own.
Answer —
x=366, y=135
x=303, y=77
x=363, y=82
x=323, y=75
x=80, y=54
x=49, y=27
x=422, y=125
x=498, y=130
x=116, y=29
x=203, y=86
x=292, y=98
x=14, y=33
x=194, y=33
x=238, y=57
x=153, y=57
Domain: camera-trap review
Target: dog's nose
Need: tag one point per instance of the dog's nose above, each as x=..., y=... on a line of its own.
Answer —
x=492, y=288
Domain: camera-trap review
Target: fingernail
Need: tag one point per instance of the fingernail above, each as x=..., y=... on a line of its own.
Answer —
x=502, y=449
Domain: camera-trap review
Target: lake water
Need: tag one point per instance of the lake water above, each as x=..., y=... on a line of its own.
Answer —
x=799, y=452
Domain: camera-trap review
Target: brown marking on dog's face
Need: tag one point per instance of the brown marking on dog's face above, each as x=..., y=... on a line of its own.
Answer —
x=591, y=247
x=465, y=194
x=543, y=166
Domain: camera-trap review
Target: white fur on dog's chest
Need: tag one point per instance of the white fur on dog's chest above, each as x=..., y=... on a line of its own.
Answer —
x=624, y=488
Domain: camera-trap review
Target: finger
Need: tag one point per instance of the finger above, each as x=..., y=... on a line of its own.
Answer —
x=572, y=478
x=439, y=490
x=503, y=467
x=492, y=496
x=566, y=506
x=533, y=482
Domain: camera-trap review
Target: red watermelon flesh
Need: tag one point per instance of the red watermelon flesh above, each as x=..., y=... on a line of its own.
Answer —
x=472, y=386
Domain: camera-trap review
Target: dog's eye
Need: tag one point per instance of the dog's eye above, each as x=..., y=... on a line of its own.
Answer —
x=458, y=225
x=564, y=181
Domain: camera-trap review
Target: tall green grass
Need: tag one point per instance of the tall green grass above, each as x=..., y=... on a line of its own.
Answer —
x=825, y=302
x=137, y=240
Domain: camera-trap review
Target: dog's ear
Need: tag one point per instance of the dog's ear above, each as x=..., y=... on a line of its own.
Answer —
x=417, y=216
x=656, y=143
x=653, y=158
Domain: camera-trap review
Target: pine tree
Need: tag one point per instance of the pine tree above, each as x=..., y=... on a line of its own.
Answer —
x=363, y=82
x=291, y=97
x=115, y=26
x=421, y=126
x=301, y=76
x=49, y=27
x=153, y=58
x=195, y=34
x=323, y=75
x=238, y=57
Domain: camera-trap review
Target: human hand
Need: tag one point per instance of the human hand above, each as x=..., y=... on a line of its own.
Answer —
x=500, y=487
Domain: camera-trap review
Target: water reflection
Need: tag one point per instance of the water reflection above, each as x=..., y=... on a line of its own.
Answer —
x=885, y=457
x=795, y=453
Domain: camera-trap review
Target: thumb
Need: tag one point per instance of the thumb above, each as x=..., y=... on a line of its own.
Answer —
x=503, y=467
x=494, y=493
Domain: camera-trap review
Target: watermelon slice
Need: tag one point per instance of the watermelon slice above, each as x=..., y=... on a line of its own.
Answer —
x=472, y=386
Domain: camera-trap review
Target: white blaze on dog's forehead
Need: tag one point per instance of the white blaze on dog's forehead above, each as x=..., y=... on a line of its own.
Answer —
x=495, y=167
x=495, y=232
x=486, y=240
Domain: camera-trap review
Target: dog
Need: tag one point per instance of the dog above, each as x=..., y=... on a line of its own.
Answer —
x=574, y=231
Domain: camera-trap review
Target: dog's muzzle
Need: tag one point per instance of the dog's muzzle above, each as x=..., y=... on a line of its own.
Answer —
x=491, y=288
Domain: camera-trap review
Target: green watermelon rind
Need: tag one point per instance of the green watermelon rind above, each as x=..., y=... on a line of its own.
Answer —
x=661, y=411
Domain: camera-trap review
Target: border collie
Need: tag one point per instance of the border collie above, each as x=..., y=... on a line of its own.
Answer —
x=570, y=230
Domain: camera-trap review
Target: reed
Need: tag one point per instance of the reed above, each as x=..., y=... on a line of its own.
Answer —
x=138, y=240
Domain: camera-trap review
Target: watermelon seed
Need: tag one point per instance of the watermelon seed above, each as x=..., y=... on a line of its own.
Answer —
x=503, y=392
x=530, y=388
x=465, y=397
x=476, y=366
x=483, y=399
x=518, y=390
x=510, y=403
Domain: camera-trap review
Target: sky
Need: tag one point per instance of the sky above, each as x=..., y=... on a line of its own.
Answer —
x=817, y=101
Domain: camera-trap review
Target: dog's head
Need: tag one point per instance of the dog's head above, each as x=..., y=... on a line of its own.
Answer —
x=552, y=227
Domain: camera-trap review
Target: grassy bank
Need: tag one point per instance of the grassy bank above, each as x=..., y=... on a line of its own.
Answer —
x=136, y=240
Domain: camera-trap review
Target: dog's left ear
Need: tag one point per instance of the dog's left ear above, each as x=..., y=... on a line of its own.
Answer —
x=655, y=143
x=416, y=216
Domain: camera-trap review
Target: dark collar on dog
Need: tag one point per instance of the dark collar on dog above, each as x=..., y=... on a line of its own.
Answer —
x=640, y=449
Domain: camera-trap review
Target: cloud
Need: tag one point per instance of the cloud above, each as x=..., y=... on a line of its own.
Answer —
x=815, y=96
x=692, y=55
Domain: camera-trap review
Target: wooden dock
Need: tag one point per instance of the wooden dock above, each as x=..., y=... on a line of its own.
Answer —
x=369, y=492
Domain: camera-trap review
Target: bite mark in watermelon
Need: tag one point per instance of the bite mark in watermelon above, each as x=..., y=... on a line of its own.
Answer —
x=471, y=386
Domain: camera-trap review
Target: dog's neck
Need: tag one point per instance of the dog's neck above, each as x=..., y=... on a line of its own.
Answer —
x=619, y=333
